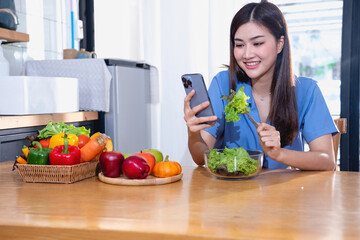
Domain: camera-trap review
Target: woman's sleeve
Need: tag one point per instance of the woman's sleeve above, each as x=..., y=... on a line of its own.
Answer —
x=317, y=118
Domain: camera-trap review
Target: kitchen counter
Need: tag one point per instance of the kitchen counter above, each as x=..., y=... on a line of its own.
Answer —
x=280, y=204
x=8, y=122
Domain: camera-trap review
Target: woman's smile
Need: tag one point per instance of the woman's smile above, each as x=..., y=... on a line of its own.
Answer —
x=252, y=64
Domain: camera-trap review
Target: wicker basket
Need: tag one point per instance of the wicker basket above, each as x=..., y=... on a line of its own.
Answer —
x=57, y=173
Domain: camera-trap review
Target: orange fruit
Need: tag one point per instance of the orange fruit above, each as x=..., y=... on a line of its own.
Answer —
x=149, y=158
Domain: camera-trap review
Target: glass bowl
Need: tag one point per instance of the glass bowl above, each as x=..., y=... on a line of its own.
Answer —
x=224, y=165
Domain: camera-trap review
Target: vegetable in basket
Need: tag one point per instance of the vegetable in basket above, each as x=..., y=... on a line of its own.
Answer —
x=25, y=151
x=95, y=146
x=59, y=138
x=52, y=129
x=65, y=154
x=21, y=160
x=39, y=155
x=44, y=143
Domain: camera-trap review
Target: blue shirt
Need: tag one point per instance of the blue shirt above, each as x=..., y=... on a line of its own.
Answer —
x=314, y=117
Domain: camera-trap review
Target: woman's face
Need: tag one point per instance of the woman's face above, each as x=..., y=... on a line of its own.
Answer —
x=255, y=50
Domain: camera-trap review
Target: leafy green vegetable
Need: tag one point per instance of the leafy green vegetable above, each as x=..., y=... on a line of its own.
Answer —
x=236, y=106
x=244, y=163
x=60, y=127
x=78, y=130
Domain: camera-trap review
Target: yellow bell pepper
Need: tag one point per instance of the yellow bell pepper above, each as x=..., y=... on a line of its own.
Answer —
x=58, y=139
x=25, y=151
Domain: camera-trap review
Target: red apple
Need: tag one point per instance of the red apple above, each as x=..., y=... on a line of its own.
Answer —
x=149, y=158
x=135, y=167
x=110, y=163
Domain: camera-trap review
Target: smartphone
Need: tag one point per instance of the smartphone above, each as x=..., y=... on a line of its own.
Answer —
x=196, y=81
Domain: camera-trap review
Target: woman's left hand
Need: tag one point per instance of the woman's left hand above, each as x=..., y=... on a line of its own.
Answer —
x=269, y=140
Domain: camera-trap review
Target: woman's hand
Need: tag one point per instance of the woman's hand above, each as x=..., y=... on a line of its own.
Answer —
x=194, y=123
x=199, y=141
x=320, y=156
x=269, y=140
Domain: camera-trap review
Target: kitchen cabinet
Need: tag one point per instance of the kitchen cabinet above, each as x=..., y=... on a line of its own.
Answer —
x=13, y=36
x=14, y=129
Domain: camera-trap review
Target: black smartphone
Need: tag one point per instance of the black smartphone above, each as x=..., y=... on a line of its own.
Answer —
x=196, y=81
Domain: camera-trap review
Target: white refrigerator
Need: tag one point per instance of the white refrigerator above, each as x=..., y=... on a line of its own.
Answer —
x=133, y=119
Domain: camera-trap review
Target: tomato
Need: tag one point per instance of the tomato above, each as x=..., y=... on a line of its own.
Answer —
x=83, y=139
x=44, y=143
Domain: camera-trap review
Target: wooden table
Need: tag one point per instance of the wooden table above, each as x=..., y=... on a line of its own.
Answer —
x=275, y=205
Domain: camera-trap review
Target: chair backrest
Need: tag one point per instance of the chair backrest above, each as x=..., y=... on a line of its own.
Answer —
x=341, y=125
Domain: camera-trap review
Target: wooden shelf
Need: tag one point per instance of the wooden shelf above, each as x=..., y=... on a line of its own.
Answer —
x=8, y=122
x=13, y=36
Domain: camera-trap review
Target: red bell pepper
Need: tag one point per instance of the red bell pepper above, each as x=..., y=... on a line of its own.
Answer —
x=65, y=154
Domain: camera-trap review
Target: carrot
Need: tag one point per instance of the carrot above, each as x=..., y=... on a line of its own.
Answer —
x=92, y=148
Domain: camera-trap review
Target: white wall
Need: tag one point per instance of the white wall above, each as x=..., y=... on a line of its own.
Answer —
x=117, y=29
x=48, y=24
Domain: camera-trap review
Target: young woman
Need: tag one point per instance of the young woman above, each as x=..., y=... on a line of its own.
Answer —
x=290, y=110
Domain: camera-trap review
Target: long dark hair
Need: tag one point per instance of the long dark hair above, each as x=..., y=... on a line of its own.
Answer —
x=283, y=111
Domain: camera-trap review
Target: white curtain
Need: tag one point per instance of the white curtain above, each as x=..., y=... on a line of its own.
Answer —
x=177, y=37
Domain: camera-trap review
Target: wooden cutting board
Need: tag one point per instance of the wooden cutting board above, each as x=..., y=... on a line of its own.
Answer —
x=149, y=180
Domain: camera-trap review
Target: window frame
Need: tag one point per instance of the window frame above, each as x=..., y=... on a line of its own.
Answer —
x=350, y=77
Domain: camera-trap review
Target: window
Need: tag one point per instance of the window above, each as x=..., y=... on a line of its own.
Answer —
x=315, y=30
x=315, y=33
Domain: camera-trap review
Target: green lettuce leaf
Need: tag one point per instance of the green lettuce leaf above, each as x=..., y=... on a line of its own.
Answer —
x=237, y=105
x=79, y=130
x=60, y=127
x=244, y=163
